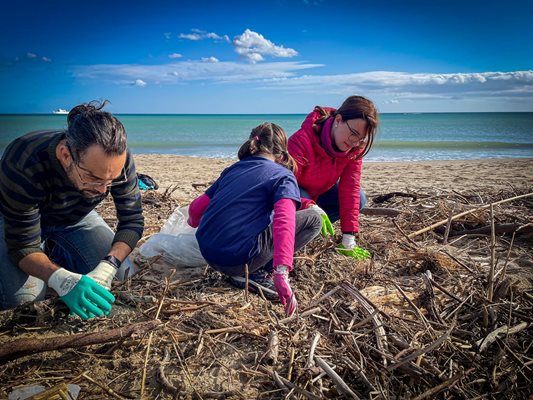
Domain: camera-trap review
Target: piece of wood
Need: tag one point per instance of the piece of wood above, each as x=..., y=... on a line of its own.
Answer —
x=490, y=290
x=381, y=335
x=498, y=229
x=388, y=212
x=484, y=343
x=310, y=358
x=337, y=380
x=21, y=347
x=284, y=383
x=273, y=347
x=448, y=384
x=388, y=196
x=436, y=224
x=422, y=351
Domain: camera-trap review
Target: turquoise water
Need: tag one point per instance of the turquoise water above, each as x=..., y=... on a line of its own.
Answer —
x=402, y=137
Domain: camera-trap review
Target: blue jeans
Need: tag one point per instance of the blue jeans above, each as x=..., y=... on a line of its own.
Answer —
x=329, y=201
x=78, y=248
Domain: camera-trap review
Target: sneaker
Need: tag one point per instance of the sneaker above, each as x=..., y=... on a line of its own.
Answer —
x=259, y=280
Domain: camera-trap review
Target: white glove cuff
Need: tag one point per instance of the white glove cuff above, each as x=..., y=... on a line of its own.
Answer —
x=348, y=241
x=63, y=281
x=282, y=270
x=103, y=274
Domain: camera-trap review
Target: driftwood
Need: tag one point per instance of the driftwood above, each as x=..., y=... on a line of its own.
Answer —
x=381, y=336
x=436, y=224
x=209, y=330
x=273, y=347
x=21, y=347
x=388, y=196
x=339, y=383
x=484, y=343
x=387, y=212
x=486, y=230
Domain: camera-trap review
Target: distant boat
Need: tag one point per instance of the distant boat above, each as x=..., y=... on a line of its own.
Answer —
x=60, y=111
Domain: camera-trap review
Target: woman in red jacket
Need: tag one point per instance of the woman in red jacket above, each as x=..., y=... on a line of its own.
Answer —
x=329, y=150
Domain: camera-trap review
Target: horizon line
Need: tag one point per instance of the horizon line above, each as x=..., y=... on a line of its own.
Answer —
x=304, y=113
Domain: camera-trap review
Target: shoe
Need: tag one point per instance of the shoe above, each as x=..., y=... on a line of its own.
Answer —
x=259, y=280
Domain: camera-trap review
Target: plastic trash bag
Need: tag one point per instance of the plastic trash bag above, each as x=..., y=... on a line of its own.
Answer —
x=176, y=242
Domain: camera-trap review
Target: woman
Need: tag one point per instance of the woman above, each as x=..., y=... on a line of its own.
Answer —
x=329, y=150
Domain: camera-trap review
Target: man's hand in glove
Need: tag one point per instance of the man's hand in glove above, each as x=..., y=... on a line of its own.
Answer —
x=82, y=295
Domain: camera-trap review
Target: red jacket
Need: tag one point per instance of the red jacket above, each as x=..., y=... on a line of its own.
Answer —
x=318, y=171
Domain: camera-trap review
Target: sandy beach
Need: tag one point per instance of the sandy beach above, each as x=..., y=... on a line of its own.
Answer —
x=430, y=289
x=378, y=178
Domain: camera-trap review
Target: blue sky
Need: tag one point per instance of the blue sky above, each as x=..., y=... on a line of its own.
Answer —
x=266, y=56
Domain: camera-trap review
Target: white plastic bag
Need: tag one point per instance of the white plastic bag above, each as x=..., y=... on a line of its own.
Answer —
x=176, y=242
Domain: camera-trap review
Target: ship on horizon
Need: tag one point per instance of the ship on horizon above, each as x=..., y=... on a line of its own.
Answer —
x=60, y=111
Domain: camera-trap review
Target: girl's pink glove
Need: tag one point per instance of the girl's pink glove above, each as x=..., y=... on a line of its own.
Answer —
x=285, y=293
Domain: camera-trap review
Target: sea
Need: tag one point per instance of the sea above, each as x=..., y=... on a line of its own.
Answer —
x=401, y=137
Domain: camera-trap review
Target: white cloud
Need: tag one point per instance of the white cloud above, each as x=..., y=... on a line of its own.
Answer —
x=184, y=71
x=139, y=83
x=190, y=36
x=210, y=59
x=198, y=34
x=391, y=86
x=168, y=35
x=33, y=57
x=404, y=85
x=175, y=55
x=253, y=47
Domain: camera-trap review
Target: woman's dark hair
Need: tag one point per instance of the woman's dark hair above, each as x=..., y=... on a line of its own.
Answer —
x=89, y=125
x=355, y=107
x=271, y=139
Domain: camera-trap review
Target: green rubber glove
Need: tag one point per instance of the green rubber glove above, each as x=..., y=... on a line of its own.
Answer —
x=327, y=226
x=83, y=296
x=349, y=248
x=357, y=252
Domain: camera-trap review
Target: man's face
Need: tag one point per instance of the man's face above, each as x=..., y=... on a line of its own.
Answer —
x=94, y=172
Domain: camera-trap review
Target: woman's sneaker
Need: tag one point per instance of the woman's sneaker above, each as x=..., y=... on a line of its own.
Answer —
x=259, y=280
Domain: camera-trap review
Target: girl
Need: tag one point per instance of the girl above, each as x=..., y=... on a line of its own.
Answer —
x=328, y=150
x=248, y=216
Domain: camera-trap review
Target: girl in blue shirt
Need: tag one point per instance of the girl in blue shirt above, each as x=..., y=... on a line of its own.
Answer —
x=248, y=217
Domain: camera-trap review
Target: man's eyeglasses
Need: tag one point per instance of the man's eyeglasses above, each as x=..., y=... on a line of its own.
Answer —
x=98, y=182
x=356, y=137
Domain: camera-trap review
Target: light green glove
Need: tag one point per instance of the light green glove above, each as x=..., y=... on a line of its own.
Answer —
x=357, y=252
x=83, y=296
x=327, y=226
x=349, y=248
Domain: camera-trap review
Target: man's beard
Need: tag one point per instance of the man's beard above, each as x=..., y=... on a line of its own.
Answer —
x=87, y=193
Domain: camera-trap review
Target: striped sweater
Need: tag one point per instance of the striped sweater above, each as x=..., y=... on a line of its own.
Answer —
x=35, y=191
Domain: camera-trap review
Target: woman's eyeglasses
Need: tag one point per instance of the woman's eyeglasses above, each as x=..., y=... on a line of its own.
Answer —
x=356, y=137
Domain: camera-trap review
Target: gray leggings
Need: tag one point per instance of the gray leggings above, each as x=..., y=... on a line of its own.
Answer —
x=308, y=225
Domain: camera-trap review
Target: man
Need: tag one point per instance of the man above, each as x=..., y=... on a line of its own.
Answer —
x=50, y=233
